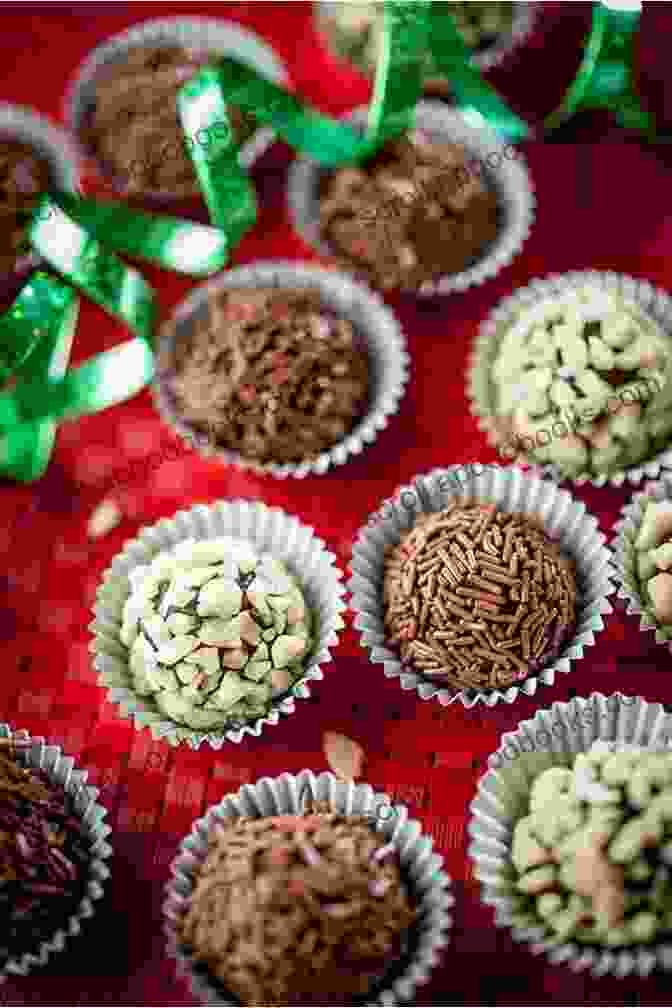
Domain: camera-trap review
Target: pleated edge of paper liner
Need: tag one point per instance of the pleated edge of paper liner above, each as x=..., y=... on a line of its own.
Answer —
x=62, y=770
x=269, y=529
x=525, y=20
x=381, y=331
x=625, y=557
x=55, y=145
x=285, y=794
x=191, y=32
x=510, y=488
x=653, y=300
x=511, y=181
x=490, y=829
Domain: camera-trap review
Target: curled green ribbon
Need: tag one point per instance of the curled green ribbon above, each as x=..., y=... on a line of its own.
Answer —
x=36, y=332
x=40, y=325
x=78, y=237
x=605, y=78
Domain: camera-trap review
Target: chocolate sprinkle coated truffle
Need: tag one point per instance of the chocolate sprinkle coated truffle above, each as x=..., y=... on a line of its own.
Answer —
x=477, y=597
x=23, y=177
x=270, y=374
x=44, y=857
x=297, y=910
x=411, y=215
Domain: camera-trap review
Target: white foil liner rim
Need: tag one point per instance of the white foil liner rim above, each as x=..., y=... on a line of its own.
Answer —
x=568, y=728
x=374, y=323
x=269, y=529
x=625, y=558
x=226, y=38
x=51, y=142
x=61, y=769
x=287, y=794
x=510, y=180
x=511, y=489
x=524, y=19
x=480, y=391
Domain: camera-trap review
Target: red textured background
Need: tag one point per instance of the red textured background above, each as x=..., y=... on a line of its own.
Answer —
x=600, y=205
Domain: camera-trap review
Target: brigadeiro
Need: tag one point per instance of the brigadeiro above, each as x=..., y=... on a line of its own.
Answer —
x=298, y=909
x=412, y=214
x=592, y=853
x=581, y=379
x=135, y=130
x=478, y=598
x=45, y=856
x=270, y=374
x=216, y=632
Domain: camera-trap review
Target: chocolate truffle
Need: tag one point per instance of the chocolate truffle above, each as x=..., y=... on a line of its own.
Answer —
x=24, y=176
x=44, y=856
x=583, y=381
x=414, y=213
x=592, y=855
x=215, y=631
x=135, y=130
x=298, y=910
x=478, y=598
x=270, y=374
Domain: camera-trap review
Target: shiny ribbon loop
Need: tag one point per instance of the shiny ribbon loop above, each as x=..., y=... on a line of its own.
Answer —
x=78, y=237
x=476, y=99
x=174, y=244
x=605, y=78
x=47, y=307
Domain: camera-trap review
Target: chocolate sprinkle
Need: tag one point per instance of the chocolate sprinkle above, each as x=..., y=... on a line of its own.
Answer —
x=484, y=624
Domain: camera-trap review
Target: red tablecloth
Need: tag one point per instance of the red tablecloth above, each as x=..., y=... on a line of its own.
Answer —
x=600, y=205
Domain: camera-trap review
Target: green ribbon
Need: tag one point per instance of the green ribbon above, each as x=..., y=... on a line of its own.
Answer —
x=605, y=79
x=39, y=326
x=78, y=237
x=36, y=332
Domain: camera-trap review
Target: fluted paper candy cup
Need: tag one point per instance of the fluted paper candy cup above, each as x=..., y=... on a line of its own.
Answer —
x=51, y=143
x=218, y=37
x=509, y=179
x=551, y=738
x=630, y=587
x=481, y=389
x=564, y=519
x=375, y=326
x=269, y=530
x=38, y=754
x=287, y=794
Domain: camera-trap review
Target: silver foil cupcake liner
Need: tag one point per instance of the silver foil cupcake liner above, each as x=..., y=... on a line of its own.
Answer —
x=625, y=558
x=525, y=17
x=374, y=324
x=481, y=392
x=564, y=519
x=221, y=38
x=269, y=530
x=509, y=179
x=552, y=738
x=39, y=755
x=286, y=794
x=17, y=122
